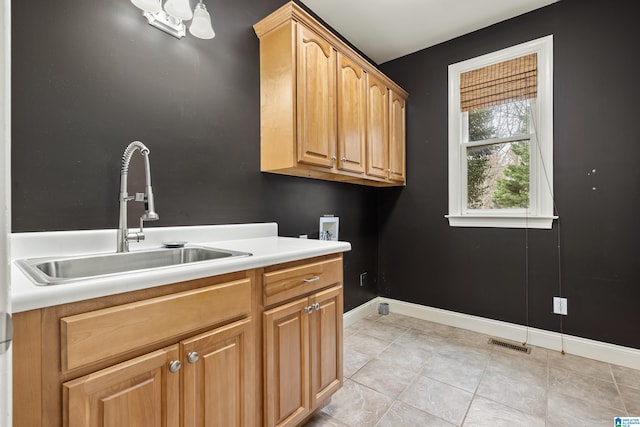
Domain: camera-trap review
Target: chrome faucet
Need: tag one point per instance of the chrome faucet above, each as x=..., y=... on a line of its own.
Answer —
x=124, y=236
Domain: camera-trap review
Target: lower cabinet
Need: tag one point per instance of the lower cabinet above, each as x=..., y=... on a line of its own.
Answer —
x=202, y=381
x=140, y=392
x=303, y=355
x=260, y=347
x=218, y=380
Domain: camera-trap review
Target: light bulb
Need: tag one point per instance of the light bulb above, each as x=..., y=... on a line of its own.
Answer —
x=179, y=9
x=148, y=5
x=201, y=24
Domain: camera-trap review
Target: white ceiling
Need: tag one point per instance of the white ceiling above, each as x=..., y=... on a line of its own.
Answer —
x=388, y=29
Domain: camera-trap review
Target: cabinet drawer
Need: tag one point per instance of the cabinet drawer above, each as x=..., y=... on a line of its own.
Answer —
x=283, y=284
x=90, y=337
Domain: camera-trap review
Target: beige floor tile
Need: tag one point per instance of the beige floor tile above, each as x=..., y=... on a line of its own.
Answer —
x=397, y=320
x=352, y=361
x=433, y=328
x=437, y=398
x=384, y=376
x=407, y=357
x=402, y=371
x=594, y=390
x=518, y=366
x=402, y=415
x=465, y=352
x=462, y=374
x=320, y=419
x=580, y=365
x=487, y=413
x=424, y=341
x=366, y=344
x=470, y=336
x=506, y=387
x=357, y=405
x=626, y=376
x=631, y=399
x=384, y=331
x=570, y=411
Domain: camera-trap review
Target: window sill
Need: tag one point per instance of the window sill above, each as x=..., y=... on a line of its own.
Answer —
x=540, y=222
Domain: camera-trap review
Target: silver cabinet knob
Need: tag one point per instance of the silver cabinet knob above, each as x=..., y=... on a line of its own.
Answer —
x=333, y=158
x=309, y=309
x=316, y=306
x=192, y=357
x=174, y=366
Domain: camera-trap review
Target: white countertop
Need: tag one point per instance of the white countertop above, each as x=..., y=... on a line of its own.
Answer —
x=261, y=240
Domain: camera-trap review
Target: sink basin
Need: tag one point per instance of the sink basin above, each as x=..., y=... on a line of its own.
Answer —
x=51, y=271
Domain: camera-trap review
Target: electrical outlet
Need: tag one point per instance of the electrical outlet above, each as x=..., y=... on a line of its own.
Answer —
x=560, y=306
x=363, y=278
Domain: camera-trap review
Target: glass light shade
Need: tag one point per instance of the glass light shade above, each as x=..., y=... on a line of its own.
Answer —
x=148, y=5
x=179, y=9
x=201, y=24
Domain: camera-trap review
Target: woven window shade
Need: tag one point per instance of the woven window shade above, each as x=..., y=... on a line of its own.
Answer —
x=499, y=83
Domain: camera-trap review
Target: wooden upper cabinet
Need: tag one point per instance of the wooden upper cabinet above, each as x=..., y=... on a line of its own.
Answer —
x=316, y=89
x=320, y=117
x=377, y=128
x=352, y=101
x=396, y=137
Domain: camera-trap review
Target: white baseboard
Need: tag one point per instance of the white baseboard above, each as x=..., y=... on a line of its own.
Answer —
x=360, y=312
x=610, y=353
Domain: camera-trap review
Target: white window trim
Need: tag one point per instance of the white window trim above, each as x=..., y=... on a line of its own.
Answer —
x=540, y=214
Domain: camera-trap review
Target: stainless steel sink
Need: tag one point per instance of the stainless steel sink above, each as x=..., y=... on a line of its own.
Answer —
x=51, y=271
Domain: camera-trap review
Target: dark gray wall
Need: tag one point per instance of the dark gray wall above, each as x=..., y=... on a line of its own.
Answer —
x=90, y=77
x=482, y=271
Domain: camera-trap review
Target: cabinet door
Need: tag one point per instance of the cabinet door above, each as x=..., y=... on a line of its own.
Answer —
x=326, y=344
x=397, y=138
x=286, y=358
x=352, y=115
x=316, y=97
x=377, y=128
x=140, y=392
x=218, y=385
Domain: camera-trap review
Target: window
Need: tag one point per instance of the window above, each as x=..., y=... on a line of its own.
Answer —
x=501, y=138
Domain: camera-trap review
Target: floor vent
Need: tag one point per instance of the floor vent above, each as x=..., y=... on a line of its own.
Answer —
x=510, y=346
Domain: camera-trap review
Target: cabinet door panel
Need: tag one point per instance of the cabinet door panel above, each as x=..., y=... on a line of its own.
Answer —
x=316, y=99
x=286, y=341
x=377, y=128
x=217, y=388
x=140, y=392
x=351, y=115
x=326, y=344
x=397, y=138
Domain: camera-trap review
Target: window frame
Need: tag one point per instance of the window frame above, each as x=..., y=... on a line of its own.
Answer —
x=541, y=206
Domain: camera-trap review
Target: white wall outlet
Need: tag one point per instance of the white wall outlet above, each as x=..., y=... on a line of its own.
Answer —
x=560, y=305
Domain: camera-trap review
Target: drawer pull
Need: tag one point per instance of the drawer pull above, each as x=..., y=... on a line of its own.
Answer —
x=192, y=357
x=316, y=306
x=174, y=366
x=309, y=309
x=313, y=279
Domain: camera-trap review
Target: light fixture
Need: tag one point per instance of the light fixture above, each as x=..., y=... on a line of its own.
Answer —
x=169, y=19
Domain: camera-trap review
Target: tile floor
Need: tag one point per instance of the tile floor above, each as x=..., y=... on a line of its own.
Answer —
x=402, y=371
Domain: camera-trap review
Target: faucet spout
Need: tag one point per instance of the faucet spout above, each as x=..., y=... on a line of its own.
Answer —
x=123, y=235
